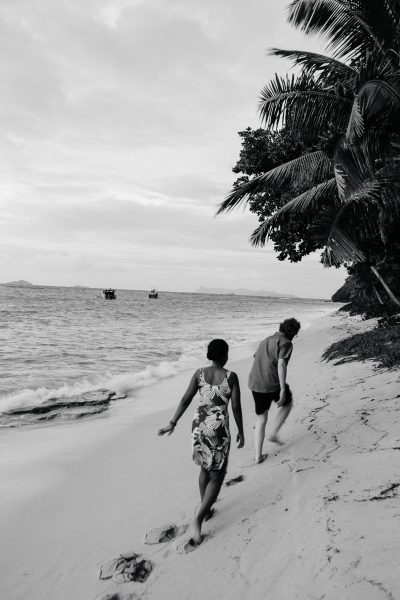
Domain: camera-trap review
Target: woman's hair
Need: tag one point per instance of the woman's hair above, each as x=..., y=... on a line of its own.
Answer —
x=217, y=349
x=290, y=327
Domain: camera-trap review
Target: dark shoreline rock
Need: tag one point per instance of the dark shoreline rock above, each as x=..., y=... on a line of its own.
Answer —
x=64, y=408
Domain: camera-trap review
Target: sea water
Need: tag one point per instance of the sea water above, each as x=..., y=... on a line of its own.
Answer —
x=61, y=343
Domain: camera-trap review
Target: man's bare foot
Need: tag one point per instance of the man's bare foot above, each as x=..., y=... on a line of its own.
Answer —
x=275, y=439
x=196, y=531
x=260, y=459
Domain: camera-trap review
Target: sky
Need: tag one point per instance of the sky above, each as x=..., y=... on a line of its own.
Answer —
x=119, y=123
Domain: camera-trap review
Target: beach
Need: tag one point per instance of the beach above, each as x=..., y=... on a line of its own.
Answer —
x=319, y=519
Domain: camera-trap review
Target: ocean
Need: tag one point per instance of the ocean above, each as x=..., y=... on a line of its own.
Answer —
x=68, y=353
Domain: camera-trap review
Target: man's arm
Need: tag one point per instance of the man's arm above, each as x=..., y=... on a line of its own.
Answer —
x=282, y=369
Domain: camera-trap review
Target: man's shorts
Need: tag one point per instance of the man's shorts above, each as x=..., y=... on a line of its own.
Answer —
x=263, y=400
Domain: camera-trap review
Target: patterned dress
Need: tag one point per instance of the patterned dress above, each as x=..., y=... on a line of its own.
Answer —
x=210, y=428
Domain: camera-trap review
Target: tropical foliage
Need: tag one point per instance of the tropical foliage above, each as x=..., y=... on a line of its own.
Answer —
x=345, y=184
x=263, y=150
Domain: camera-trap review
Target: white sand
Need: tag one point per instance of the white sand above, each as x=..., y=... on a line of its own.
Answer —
x=312, y=522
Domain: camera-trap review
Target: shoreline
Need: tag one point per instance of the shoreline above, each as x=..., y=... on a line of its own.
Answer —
x=138, y=404
x=309, y=507
x=140, y=361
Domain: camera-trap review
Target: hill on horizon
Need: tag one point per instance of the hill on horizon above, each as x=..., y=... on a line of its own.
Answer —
x=243, y=292
x=19, y=283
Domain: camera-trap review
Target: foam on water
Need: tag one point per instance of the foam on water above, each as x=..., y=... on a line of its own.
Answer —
x=123, y=383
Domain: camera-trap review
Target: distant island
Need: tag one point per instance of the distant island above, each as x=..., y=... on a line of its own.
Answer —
x=20, y=283
x=242, y=292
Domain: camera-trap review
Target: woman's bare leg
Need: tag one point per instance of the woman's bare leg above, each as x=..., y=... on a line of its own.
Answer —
x=204, y=478
x=259, y=435
x=210, y=495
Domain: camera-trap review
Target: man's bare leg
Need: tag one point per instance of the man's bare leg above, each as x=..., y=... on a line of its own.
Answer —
x=282, y=415
x=259, y=435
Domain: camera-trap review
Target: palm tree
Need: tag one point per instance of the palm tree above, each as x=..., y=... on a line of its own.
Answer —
x=351, y=101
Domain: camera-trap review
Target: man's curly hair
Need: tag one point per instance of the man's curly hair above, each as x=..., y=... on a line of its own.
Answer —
x=290, y=327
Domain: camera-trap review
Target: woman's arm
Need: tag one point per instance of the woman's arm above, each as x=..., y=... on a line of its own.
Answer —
x=182, y=406
x=237, y=409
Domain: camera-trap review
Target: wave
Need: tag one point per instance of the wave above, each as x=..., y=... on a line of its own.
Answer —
x=83, y=396
x=91, y=396
x=122, y=384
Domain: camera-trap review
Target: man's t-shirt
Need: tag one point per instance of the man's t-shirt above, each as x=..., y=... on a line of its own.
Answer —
x=264, y=372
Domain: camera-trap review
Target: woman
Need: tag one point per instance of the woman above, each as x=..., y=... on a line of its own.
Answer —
x=210, y=428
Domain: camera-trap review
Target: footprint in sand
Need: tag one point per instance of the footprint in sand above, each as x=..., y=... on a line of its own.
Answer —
x=254, y=463
x=164, y=533
x=127, y=567
x=234, y=480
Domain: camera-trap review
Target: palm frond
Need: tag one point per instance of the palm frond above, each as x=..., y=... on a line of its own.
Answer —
x=304, y=171
x=352, y=166
x=302, y=101
x=355, y=222
x=377, y=96
x=308, y=202
x=393, y=16
x=356, y=125
x=343, y=22
x=340, y=249
x=384, y=20
x=313, y=64
x=389, y=178
x=375, y=113
x=373, y=66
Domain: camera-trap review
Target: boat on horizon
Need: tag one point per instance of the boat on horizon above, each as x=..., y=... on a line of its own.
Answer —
x=109, y=294
x=153, y=293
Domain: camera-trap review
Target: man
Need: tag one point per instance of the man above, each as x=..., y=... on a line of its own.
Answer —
x=267, y=381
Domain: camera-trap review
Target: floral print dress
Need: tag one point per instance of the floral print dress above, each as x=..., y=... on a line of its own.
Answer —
x=210, y=428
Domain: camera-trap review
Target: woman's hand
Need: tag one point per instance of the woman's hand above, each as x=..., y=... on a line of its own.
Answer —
x=168, y=429
x=183, y=404
x=240, y=440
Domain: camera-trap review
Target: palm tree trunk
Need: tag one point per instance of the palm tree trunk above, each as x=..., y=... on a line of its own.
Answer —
x=385, y=285
x=377, y=294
